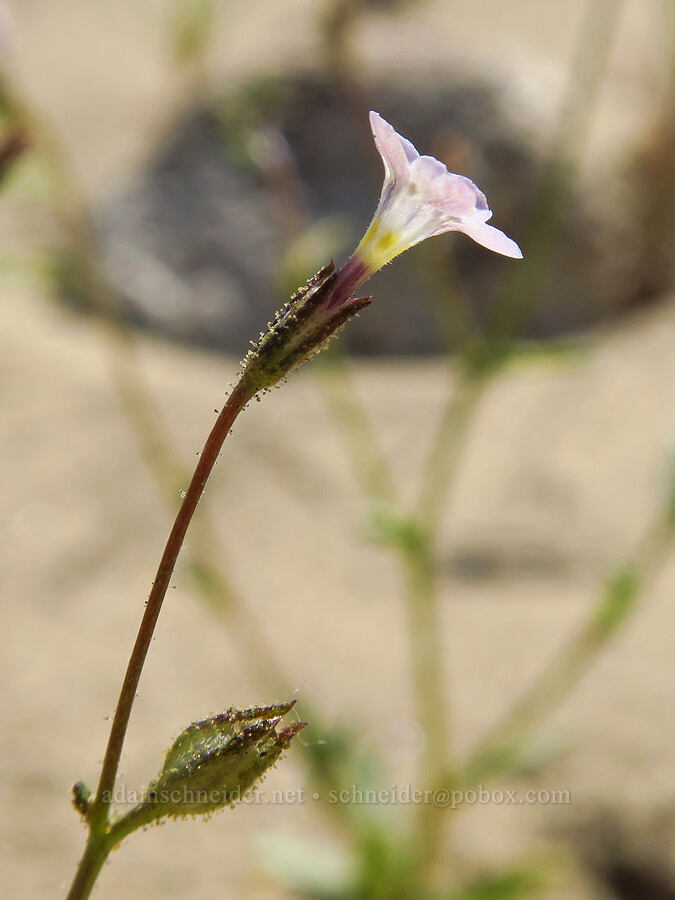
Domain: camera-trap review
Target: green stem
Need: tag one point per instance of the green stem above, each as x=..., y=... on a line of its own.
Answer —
x=446, y=449
x=369, y=464
x=424, y=612
x=550, y=202
x=427, y=656
x=618, y=599
x=426, y=650
x=94, y=856
x=417, y=560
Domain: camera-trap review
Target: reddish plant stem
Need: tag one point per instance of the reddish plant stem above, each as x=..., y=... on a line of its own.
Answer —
x=237, y=400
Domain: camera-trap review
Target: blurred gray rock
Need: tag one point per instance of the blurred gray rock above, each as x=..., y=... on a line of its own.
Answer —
x=195, y=245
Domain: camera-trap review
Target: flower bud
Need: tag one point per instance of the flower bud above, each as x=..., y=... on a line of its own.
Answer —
x=81, y=797
x=315, y=314
x=212, y=763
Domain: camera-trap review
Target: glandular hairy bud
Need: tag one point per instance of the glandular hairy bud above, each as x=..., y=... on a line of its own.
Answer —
x=81, y=797
x=315, y=314
x=212, y=763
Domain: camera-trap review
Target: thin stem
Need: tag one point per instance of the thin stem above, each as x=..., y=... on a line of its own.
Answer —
x=71, y=207
x=426, y=650
x=617, y=600
x=98, y=848
x=427, y=656
x=446, y=449
x=417, y=561
x=449, y=304
x=424, y=613
x=550, y=202
x=239, y=397
x=369, y=464
x=209, y=578
x=454, y=426
x=337, y=29
x=95, y=854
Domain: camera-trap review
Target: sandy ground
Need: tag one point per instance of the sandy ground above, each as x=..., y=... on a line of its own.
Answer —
x=563, y=471
x=563, y=467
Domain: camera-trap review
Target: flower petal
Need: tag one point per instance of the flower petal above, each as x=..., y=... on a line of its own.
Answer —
x=409, y=147
x=397, y=153
x=454, y=196
x=490, y=237
x=421, y=199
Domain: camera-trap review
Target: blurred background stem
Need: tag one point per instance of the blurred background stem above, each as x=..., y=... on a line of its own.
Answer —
x=546, y=217
x=191, y=26
x=426, y=623
x=518, y=296
x=499, y=750
x=447, y=445
x=369, y=465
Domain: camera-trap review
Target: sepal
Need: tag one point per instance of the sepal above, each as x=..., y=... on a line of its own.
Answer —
x=214, y=762
x=303, y=327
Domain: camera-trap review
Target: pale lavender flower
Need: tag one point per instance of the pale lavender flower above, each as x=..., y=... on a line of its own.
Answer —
x=420, y=199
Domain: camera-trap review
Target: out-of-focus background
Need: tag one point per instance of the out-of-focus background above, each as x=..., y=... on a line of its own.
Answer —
x=170, y=171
